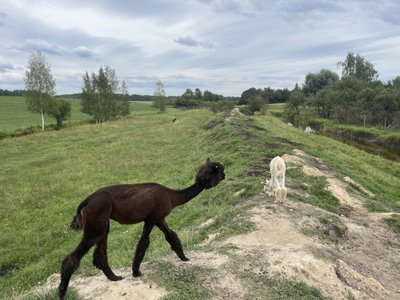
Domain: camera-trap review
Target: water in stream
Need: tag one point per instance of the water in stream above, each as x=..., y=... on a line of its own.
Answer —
x=382, y=151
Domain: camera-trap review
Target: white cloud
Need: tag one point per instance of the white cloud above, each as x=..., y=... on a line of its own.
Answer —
x=225, y=46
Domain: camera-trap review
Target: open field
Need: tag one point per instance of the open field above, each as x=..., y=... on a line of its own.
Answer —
x=14, y=114
x=43, y=178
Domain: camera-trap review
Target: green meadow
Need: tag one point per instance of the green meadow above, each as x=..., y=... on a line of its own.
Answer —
x=14, y=115
x=44, y=177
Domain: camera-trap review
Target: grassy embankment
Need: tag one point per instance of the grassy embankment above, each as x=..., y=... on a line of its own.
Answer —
x=45, y=176
x=15, y=118
x=366, y=137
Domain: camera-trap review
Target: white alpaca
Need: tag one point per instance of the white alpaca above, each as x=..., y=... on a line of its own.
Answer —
x=277, y=182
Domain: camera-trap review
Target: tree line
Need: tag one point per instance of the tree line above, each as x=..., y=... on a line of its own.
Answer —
x=253, y=100
x=11, y=93
x=104, y=98
x=358, y=97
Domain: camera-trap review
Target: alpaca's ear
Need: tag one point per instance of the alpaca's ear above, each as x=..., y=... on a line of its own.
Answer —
x=208, y=161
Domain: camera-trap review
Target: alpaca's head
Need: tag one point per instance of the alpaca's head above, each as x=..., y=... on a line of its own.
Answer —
x=210, y=174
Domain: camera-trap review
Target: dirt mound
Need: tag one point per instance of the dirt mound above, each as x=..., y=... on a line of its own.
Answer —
x=99, y=287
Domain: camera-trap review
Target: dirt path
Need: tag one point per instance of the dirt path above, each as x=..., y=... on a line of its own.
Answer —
x=355, y=256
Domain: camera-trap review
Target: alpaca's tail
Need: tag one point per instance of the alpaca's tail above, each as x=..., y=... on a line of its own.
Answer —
x=77, y=222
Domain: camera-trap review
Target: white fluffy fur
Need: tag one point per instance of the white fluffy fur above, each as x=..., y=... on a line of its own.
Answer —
x=277, y=182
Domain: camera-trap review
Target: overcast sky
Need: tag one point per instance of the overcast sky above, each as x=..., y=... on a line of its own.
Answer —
x=225, y=46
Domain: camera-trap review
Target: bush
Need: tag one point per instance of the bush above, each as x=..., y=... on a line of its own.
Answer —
x=221, y=106
x=246, y=110
x=60, y=110
x=187, y=103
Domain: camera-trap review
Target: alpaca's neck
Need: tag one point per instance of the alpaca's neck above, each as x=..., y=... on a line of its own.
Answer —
x=188, y=194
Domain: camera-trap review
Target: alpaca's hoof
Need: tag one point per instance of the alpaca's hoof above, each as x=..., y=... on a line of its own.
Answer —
x=184, y=259
x=136, y=273
x=115, y=278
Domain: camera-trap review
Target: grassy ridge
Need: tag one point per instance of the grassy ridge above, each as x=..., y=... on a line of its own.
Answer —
x=45, y=176
x=64, y=167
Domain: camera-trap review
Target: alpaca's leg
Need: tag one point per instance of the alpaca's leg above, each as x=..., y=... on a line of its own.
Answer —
x=275, y=188
x=272, y=183
x=277, y=194
x=141, y=248
x=95, y=227
x=71, y=262
x=280, y=190
x=283, y=188
x=275, y=182
x=173, y=239
x=100, y=260
x=284, y=193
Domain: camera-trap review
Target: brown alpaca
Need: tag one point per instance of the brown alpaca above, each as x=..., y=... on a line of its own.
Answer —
x=130, y=204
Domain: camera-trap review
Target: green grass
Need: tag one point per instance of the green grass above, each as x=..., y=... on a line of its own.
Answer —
x=372, y=133
x=14, y=115
x=309, y=117
x=43, y=178
x=295, y=290
x=394, y=223
x=51, y=295
x=315, y=189
x=183, y=282
x=67, y=165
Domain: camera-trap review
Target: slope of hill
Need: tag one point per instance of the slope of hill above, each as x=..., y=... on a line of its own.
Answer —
x=330, y=239
x=295, y=250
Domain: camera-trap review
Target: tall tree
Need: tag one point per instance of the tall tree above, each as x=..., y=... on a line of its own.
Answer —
x=39, y=85
x=159, y=96
x=267, y=94
x=122, y=104
x=188, y=94
x=102, y=96
x=208, y=96
x=295, y=101
x=198, y=94
x=317, y=81
x=248, y=94
x=280, y=96
x=395, y=83
x=355, y=66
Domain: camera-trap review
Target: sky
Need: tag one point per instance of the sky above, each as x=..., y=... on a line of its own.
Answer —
x=224, y=46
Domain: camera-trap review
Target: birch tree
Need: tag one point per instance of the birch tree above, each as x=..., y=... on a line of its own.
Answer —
x=39, y=85
x=102, y=96
x=159, y=96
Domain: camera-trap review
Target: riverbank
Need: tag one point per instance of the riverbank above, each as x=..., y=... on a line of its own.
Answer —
x=377, y=141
